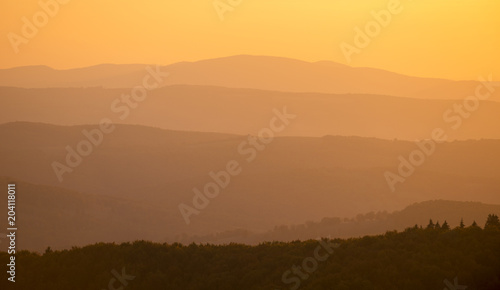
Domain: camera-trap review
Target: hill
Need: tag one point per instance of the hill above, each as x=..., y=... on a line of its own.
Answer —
x=49, y=216
x=245, y=71
x=413, y=259
x=247, y=111
x=372, y=223
x=307, y=179
x=59, y=218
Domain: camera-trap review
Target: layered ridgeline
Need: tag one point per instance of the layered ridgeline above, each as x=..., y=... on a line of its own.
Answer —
x=58, y=218
x=136, y=172
x=257, y=72
x=431, y=258
x=247, y=111
x=438, y=213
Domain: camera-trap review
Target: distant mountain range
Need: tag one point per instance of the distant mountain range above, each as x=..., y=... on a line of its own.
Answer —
x=247, y=111
x=311, y=178
x=256, y=72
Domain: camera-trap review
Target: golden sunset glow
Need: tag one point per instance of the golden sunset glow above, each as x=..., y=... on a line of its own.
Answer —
x=448, y=39
x=250, y=144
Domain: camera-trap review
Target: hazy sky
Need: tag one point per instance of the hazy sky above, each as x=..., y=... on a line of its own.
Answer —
x=456, y=39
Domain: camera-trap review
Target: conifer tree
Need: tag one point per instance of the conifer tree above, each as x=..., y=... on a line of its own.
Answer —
x=492, y=222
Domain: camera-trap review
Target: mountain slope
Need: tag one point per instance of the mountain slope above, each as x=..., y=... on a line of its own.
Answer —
x=49, y=216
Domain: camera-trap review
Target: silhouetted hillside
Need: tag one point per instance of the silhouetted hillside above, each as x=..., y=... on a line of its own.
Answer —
x=413, y=259
x=372, y=223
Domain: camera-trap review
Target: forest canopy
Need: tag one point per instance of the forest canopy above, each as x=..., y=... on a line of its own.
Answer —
x=421, y=257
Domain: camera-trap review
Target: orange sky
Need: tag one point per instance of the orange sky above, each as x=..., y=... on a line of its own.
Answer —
x=457, y=39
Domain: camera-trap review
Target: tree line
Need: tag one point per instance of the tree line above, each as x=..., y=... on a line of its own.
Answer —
x=420, y=257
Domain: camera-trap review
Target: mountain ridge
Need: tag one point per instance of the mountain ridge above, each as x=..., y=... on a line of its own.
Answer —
x=247, y=111
x=258, y=72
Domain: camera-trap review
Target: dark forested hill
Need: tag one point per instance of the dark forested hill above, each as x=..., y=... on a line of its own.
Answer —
x=431, y=258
